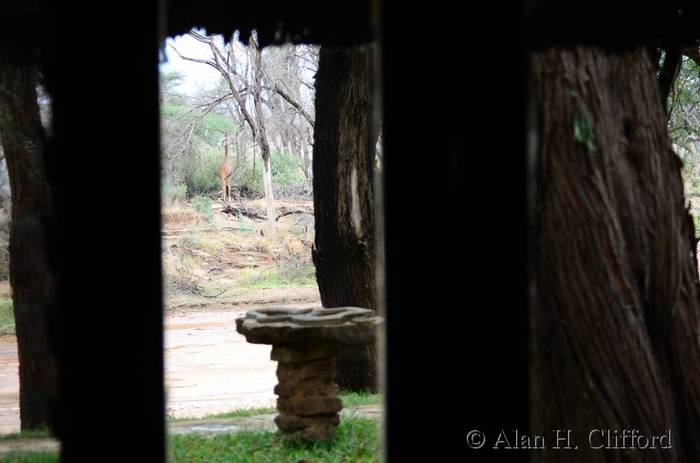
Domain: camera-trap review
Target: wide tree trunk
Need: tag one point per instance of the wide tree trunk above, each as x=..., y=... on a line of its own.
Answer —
x=32, y=281
x=343, y=160
x=614, y=286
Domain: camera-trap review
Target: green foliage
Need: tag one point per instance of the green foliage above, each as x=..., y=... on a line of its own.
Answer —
x=286, y=169
x=172, y=110
x=192, y=147
x=251, y=180
x=174, y=193
x=357, y=440
x=684, y=127
x=214, y=125
x=7, y=317
x=202, y=172
x=202, y=204
x=197, y=166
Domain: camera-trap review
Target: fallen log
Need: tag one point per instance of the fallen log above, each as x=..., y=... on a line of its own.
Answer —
x=242, y=211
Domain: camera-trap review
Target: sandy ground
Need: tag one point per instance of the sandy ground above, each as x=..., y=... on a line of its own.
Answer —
x=9, y=385
x=210, y=368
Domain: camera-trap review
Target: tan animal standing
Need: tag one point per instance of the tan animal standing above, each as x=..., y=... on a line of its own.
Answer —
x=225, y=173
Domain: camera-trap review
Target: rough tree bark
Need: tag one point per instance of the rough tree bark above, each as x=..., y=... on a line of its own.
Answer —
x=32, y=281
x=614, y=291
x=343, y=160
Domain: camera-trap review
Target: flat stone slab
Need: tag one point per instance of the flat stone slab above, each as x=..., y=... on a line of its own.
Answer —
x=284, y=326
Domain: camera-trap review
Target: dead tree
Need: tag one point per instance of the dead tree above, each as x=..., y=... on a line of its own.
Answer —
x=240, y=88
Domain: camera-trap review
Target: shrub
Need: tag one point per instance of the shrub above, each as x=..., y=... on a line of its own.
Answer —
x=202, y=173
x=174, y=193
x=287, y=176
x=202, y=204
x=286, y=170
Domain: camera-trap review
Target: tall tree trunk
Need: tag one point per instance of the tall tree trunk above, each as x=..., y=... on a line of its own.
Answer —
x=33, y=287
x=261, y=134
x=614, y=288
x=343, y=155
x=269, y=197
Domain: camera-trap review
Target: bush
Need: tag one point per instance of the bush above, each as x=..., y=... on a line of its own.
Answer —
x=286, y=170
x=202, y=204
x=174, y=193
x=202, y=173
x=287, y=177
x=250, y=183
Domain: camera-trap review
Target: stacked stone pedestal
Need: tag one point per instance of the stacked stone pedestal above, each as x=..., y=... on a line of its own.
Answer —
x=308, y=400
x=305, y=345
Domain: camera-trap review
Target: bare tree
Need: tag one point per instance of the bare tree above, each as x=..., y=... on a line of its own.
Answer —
x=272, y=96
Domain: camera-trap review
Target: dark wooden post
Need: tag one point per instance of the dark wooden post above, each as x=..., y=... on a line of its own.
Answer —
x=104, y=169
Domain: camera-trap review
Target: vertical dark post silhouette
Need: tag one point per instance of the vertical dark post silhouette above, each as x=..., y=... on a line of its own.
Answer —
x=104, y=167
x=455, y=234
x=32, y=279
x=343, y=169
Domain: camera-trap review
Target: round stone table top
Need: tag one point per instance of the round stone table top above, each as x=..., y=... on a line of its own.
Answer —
x=282, y=326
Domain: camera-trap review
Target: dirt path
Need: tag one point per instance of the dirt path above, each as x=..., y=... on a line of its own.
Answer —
x=9, y=385
x=210, y=368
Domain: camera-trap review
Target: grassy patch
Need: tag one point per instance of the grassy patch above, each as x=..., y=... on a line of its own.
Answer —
x=7, y=318
x=357, y=440
x=244, y=412
x=358, y=399
x=240, y=413
x=350, y=399
x=33, y=434
x=278, y=277
x=29, y=457
x=201, y=243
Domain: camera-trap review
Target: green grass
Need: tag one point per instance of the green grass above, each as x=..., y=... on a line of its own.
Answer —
x=29, y=457
x=32, y=434
x=243, y=412
x=278, y=277
x=357, y=399
x=357, y=440
x=350, y=399
x=7, y=318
